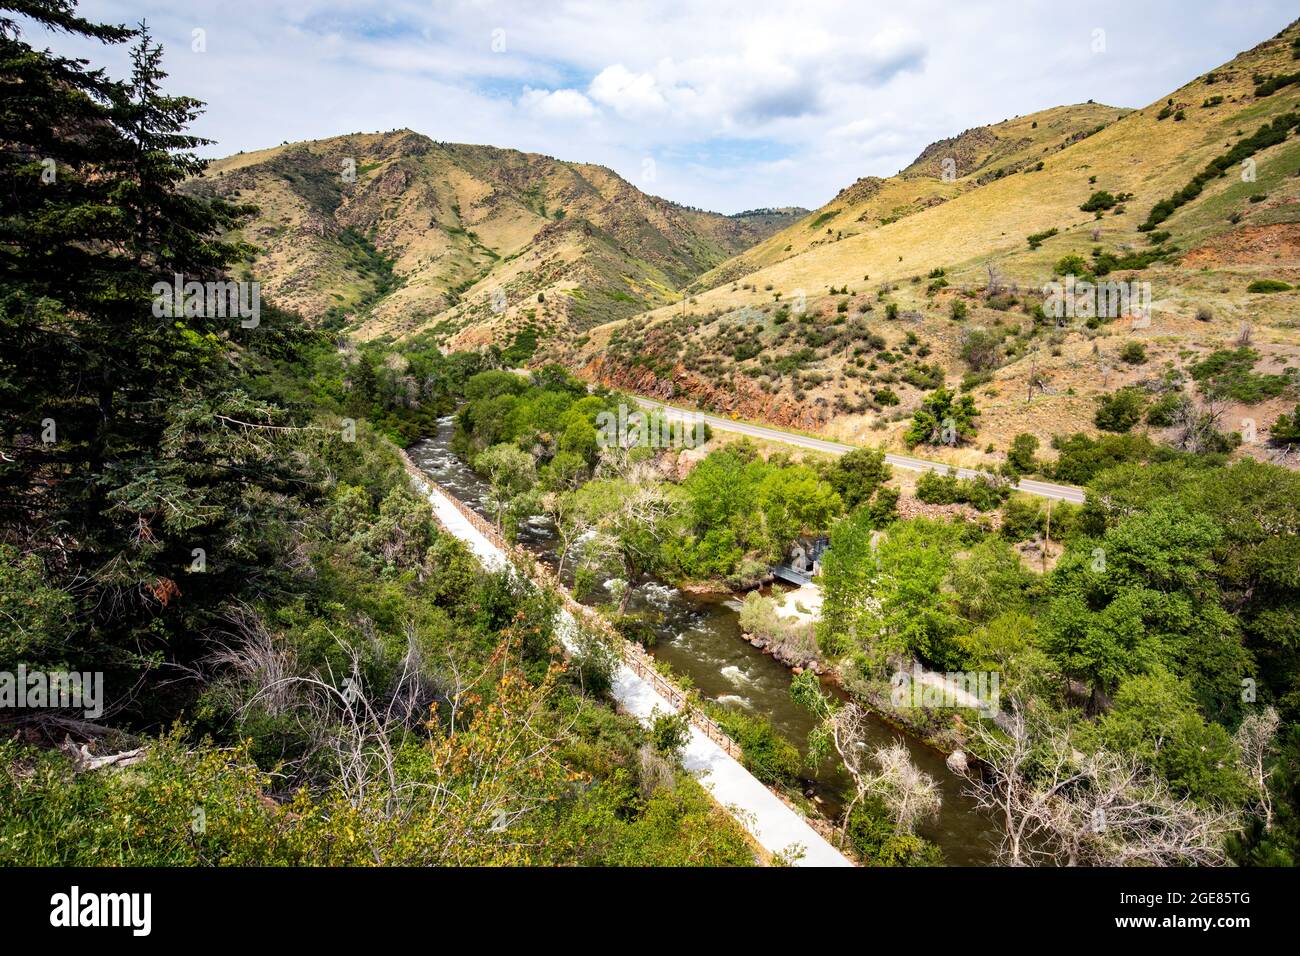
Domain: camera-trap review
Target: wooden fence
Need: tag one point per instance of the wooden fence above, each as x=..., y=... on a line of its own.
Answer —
x=633, y=655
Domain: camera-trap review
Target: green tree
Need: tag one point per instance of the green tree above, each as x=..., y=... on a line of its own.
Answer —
x=1120, y=410
x=1286, y=429
x=891, y=599
x=943, y=418
x=795, y=501
x=1156, y=719
x=1145, y=594
x=1020, y=455
x=857, y=474
x=511, y=474
x=989, y=580
x=155, y=450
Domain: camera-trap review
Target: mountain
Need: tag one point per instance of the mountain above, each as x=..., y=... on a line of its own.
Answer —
x=913, y=281
x=978, y=156
x=394, y=233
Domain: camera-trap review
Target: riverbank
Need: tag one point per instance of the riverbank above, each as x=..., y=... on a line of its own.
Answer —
x=779, y=829
x=800, y=608
x=697, y=637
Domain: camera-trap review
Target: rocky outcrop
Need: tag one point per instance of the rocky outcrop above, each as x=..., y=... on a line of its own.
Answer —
x=788, y=653
x=741, y=399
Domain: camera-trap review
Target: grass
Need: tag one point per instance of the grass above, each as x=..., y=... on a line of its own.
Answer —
x=967, y=226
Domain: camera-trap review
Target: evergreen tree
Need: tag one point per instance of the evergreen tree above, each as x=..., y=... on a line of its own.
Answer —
x=133, y=462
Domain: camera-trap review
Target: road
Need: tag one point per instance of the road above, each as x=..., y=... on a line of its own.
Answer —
x=1043, y=489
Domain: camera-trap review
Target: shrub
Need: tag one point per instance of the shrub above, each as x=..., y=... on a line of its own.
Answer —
x=1271, y=84
x=1227, y=373
x=1135, y=353
x=764, y=752
x=944, y=417
x=593, y=665
x=670, y=733
x=1162, y=413
x=1267, y=285
x=1101, y=199
x=1120, y=410
x=1020, y=456
x=1072, y=265
x=1081, y=458
x=979, y=349
x=984, y=492
x=857, y=474
x=939, y=488
x=1022, y=518
x=1286, y=430
x=1036, y=239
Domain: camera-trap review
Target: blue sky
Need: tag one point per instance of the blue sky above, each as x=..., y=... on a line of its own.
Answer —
x=723, y=105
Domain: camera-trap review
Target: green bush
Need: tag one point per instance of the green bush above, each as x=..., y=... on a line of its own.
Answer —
x=1036, y=239
x=1162, y=411
x=1022, y=518
x=1228, y=373
x=1120, y=410
x=1268, y=285
x=1081, y=458
x=764, y=752
x=1101, y=199
x=1072, y=265
x=1286, y=429
x=1133, y=352
x=984, y=493
x=670, y=733
x=1020, y=455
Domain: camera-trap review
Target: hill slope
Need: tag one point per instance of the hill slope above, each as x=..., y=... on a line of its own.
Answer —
x=396, y=233
x=978, y=156
x=907, y=254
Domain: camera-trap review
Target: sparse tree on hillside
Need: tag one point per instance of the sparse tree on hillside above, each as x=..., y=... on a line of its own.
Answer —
x=943, y=419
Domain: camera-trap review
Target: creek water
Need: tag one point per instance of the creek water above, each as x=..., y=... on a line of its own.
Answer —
x=699, y=636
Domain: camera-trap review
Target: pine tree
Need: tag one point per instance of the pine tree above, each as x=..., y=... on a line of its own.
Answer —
x=129, y=446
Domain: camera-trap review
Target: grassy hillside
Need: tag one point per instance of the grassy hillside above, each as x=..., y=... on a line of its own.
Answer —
x=395, y=233
x=978, y=156
x=907, y=279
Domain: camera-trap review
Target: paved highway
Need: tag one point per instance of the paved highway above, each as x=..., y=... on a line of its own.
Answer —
x=1043, y=489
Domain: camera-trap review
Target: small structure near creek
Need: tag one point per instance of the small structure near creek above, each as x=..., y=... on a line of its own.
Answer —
x=804, y=561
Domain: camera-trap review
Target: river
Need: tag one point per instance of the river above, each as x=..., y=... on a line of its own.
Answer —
x=699, y=636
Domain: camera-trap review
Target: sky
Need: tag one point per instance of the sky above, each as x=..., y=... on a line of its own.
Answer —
x=721, y=105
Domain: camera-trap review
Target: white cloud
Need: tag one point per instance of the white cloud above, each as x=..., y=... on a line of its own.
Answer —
x=627, y=93
x=557, y=104
x=740, y=103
